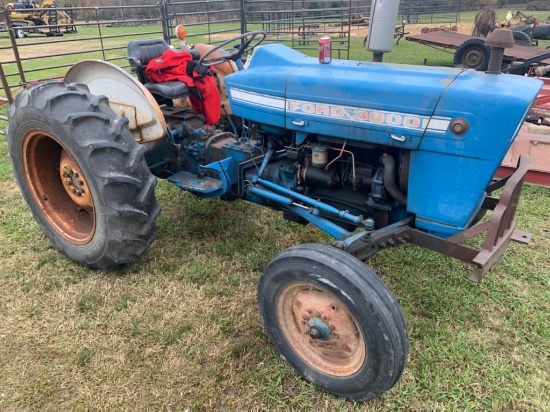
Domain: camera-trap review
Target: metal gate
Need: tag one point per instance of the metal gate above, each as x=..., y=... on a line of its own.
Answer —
x=30, y=53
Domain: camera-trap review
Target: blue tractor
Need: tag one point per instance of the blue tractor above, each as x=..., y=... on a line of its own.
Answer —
x=373, y=154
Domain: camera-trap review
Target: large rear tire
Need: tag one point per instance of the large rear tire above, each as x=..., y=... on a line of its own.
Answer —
x=334, y=321
x=82, y=174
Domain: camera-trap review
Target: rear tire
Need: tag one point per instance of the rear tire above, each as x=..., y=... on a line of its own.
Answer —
x=82, y=174
x=334, y=321
x=472, y=54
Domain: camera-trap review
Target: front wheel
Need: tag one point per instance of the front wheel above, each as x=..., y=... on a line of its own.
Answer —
x=334, y=321
x=82, y=174
x=522, y=36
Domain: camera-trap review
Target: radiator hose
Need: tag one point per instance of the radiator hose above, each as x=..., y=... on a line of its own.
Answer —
x=389, y=180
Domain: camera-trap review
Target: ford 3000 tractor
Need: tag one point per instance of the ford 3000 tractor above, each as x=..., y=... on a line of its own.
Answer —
x=373, y=154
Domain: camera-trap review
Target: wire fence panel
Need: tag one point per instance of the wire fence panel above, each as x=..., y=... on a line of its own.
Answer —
x=31, y=52
x=301, y=24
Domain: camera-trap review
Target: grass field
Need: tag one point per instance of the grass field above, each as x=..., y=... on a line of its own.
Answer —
x=180, y=329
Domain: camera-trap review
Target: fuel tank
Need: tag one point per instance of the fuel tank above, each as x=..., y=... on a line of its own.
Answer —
x=457, y=123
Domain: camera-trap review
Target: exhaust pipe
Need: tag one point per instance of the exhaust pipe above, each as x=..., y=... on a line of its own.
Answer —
x=383, y=15
x=498, y=40
x=389, y=180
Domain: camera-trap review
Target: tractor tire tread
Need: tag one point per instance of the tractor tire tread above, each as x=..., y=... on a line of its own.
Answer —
x=380, y=304
x=127, y=193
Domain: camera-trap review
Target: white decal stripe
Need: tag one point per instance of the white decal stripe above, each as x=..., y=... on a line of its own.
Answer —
x=277, y=103
x=438, y=124
x=335, y=112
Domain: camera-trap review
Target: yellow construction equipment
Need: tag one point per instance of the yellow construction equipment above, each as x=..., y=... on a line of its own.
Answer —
x=26, y=17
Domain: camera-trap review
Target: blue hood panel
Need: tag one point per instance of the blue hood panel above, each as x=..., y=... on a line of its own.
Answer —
x=408, y=107
x=282, y=87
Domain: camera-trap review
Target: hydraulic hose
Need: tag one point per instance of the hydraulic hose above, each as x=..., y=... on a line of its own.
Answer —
x=389, y=180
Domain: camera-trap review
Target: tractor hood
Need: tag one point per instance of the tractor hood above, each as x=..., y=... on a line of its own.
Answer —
x=281, y=87
x=457, y=123
x=377, y=103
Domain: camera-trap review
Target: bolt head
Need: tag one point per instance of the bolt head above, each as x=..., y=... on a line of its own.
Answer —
x=314, y=332
x=459, y=126
x=502, y=38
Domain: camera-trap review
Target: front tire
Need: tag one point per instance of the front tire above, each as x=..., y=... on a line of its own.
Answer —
x=82, y=175
x=334, y=321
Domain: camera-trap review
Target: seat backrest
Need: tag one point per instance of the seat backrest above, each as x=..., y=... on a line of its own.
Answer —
x=140, y=52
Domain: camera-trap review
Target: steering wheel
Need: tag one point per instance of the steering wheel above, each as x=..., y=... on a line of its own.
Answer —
x=249, y=41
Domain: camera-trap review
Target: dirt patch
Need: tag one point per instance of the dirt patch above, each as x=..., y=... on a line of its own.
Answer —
x=462, y=28
x=41, y=46
x=362, y=31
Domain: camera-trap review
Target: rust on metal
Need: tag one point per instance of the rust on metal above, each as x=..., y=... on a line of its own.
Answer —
x=534, y=141
x=41, y=155
x=499, y=230
x=500, y=38
x=451, y=40
x=459, y=126
x=127, y=97
x=5, y=85
x=74, y=181
x=502, y=223
x=320, y=329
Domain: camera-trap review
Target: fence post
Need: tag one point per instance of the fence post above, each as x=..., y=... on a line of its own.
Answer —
x=243, y=17
x=5, y=84
x=99, y=31
x=11, y=33
x=165, y=19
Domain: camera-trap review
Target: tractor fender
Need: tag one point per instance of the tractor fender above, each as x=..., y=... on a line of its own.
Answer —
x=127, y=97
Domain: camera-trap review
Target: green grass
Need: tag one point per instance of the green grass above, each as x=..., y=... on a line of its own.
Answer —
x=180, y=329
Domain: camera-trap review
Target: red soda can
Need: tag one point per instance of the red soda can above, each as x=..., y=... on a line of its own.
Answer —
x=324, y=50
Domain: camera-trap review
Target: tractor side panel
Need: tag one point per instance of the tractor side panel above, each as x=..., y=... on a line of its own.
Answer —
x=365, y=102
x=258, y=93
x=449, y=172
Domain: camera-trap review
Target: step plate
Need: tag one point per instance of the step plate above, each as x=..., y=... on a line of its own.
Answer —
x=195, y=183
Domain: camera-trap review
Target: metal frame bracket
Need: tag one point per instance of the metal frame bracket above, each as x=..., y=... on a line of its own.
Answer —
x=499, y=230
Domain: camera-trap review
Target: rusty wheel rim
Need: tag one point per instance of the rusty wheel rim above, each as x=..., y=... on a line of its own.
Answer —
x=58, y=187
x=473, y=58
x=320, y=329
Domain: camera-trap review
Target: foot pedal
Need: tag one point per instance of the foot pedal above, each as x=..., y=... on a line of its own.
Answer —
x=195, y=183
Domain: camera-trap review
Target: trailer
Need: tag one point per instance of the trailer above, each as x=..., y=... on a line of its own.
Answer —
x=471, y=52
x=534, y=137
x=534, y=140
